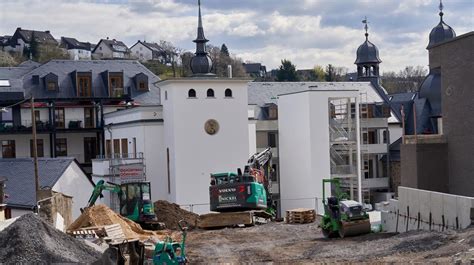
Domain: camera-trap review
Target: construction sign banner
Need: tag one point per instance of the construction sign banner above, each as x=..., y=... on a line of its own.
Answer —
x=131, y=173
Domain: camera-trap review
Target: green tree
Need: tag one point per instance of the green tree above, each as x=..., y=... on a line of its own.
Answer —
x=287, y=72
x=224, y=50
x=319, y=73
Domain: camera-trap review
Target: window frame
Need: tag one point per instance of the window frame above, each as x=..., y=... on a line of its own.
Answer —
x=51, y=85
x=60, y=112
x=8, y=148
x=226, y=93
x=89, y=121
x=192, y=91
x=39, y=147
x=84, y=90
x=60, y=143
x=119, y=77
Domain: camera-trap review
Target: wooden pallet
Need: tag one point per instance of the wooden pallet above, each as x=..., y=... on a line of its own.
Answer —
x=301, y=216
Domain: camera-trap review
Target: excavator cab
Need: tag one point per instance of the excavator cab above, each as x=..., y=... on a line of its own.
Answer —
x=135, y=202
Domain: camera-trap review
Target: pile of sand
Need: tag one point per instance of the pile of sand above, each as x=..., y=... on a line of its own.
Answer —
x=170, y=214
x=101, y=215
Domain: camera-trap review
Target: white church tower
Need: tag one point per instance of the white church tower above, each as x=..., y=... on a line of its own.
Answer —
x=205, y=128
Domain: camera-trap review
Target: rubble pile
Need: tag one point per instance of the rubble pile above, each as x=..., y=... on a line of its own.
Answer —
x=101, y=215
x=31, y=240
x=170, y=214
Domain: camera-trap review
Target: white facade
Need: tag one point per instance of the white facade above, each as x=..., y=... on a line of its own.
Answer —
x=304, y=144
x=141, y=52
x=79, y=54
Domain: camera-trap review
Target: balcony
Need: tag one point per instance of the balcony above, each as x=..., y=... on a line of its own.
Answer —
x=102, y=165
x=375, y=183
x=374, y=148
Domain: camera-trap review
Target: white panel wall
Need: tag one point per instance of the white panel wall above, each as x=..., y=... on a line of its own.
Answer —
x=74, y=183
x=194, y=153
x=414, y=207
x=75, y=144
x=22, y=144
x=252, y=138
x=304, y=147
x=395, y=132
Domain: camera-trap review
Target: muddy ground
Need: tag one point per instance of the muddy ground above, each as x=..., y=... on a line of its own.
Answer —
x=292, y=243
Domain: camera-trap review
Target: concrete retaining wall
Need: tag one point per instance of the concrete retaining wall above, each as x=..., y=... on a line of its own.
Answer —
x=427, y=210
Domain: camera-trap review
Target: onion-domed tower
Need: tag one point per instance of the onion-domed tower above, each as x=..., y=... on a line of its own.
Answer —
x=441, y=32
x=367, y=58
x=201, y=63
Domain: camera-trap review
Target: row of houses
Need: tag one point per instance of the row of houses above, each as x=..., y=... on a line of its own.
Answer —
x=106, y=48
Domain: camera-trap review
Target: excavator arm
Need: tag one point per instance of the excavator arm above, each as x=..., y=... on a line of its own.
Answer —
x=99, y=187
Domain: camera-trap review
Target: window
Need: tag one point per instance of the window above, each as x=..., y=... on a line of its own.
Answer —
x=228, y=93
x=273, y=113
x=59, y=117
x=124, y=148
x=272, y=139
x=8, y=149
x=37, y=116
x=166, y=95
x=61, y=147
x=116, y=86
x=39, y=148
x=116, y=147
x=51, y=86
x=89, y=117
x=142, y=86
x=191, y=93
x=108, y=148
x=210, y=93
x=134, y=146
x=84, y=86
x=90, y=149
x=273, y=175
x=385, y=136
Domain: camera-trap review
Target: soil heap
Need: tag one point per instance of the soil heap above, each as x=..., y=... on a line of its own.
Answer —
x=101, y=215
x=30, y=240
x=171, y=214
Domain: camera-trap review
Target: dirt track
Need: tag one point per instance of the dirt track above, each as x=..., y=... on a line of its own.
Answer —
x=280, y=242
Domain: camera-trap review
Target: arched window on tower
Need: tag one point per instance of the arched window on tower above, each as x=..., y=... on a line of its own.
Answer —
x=210, y=93
x=191, y=93
x=228, y=93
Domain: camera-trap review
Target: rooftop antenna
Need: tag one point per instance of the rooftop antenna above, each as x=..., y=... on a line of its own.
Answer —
x=366, y=27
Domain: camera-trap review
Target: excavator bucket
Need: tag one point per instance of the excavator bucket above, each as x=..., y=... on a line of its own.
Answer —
x=354, y=228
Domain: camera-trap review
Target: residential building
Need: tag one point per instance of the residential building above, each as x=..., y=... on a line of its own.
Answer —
x=22, y=38
x=77, y=50
x=110, y=49
x=71, y=98
x=150, y=51
x=61, y=175
x=255, y=70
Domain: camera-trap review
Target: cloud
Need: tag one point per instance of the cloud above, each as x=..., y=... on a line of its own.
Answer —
x=308, y=32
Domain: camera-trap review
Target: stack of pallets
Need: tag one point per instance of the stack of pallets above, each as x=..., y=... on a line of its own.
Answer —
x=300, y=216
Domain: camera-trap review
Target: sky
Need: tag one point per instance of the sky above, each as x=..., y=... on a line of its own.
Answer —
x=307, y=32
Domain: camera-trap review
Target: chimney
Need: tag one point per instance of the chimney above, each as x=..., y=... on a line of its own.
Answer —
x=107, y=37
x=18, y=28
x=229, y=71
x=47, y=32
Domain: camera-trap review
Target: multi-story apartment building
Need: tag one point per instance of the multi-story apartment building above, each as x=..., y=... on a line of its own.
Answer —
x=70, y=100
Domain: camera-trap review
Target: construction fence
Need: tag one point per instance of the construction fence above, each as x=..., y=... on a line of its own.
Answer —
x=426, y=210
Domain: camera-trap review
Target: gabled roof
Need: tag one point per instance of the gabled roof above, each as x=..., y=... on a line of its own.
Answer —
x=72, y=43
x=40, y=36
x=20, y=185
x=114, y=45
x=261, y=93
x=29, y=64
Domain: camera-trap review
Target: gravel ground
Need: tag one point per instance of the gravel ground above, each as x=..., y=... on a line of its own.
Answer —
x=29, y=240
x=291, y=243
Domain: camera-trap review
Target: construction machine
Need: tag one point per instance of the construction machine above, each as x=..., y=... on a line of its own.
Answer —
x=169, y=252
x=342, y=217
x=250, y=190
x=243, y=196
x=135, y=201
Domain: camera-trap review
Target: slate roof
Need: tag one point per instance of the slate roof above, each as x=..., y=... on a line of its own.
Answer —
x=114, y=45
x=29, y=64
x=64, y=70
x=72, y=43
x=367, y=53
x=40, y=36
x=14, y=75
x=20, y=184
x=260, y=93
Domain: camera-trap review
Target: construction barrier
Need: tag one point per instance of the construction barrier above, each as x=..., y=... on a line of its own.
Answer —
x=426, y=210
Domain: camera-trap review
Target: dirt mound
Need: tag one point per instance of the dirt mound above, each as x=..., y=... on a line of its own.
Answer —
x=171, y=214
x=30, y=240
x=100, y=215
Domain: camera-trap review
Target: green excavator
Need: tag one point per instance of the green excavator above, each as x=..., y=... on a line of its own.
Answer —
x=135, y=201
x=342, y=217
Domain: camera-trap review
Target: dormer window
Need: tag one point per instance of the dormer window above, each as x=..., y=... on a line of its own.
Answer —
x=116, y=85
x=210, y=93
x=84, y=85
x=51, y=82
x=141, y=82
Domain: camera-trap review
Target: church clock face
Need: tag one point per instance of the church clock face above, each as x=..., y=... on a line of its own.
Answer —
x=211, y=127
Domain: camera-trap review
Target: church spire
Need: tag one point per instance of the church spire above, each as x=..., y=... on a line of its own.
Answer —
x=441, y=10
x=201, y=63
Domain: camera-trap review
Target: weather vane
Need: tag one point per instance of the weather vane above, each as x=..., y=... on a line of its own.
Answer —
x=366, y=27
x=441, y=5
